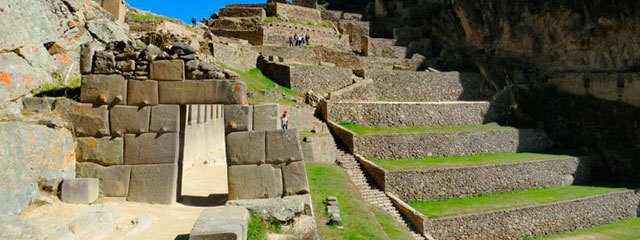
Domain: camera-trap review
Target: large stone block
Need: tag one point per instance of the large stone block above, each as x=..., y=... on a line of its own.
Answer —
x=223, y=223
x=87, y=120
x=105, y=151
x=114, y=180
x=238, y=118
x=167, y=70
x=266, y=117
x=129, y=119
x=103, y=89
x=253, y=182
x=165, y=118
x=246, y=148
x=80, y=190
x=142, y=93
x=283, y=146
x=202, y=92
x=225, y=92
x=155, y=184
x=151, y=148
x=182, y=93
x=38, y=104
x=294, y=176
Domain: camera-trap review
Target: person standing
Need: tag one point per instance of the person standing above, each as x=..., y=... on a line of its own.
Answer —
x=295, y=38
x=306, y=39
x=194, y=20
x=284, y=120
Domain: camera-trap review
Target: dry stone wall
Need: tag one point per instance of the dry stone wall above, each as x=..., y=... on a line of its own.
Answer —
x=320, y=79
x=481, y=180
x=539, y=220
x=406, y=86
x=623, y=87
x=290, y=11
x=134, y=115
x=390, y=114
x=438, y=144
x=277, y=34
x=380, y=47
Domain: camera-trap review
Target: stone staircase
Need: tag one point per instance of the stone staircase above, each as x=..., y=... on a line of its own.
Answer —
x=368, y=189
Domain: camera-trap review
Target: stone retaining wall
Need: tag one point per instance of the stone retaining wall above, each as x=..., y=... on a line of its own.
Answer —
x=442, y=144
x=381, y=47
x=255, y=37
x=539, y=220
x=319, y=149
x=407, y=86
x=624, y=87
x=302, y=14
x=417, y=219
x=243, y=11
x=277, y=34
x=303, y=78
x=480, y=180
x=389, y=114
x=345, y=136
x=237, y=56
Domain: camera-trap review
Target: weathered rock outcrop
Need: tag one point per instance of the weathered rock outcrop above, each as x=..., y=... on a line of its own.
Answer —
x=40, y=40
x=29, y=154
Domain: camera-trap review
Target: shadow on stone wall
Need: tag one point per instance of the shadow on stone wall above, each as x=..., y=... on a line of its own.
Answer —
x=606, y=128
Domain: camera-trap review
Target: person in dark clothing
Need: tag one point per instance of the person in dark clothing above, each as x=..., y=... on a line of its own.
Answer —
x=290, y=41
x=194, y=20
x=295, y=38
x=306, y=39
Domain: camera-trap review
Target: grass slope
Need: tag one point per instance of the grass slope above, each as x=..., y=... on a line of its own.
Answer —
x=493, y=202
x=382, y=130
x=360, y=220
x=463, y=161
x=623, y=230
x=258, y=83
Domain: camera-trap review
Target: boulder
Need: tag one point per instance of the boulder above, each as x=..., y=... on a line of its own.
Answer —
x=224, y=223
x=80, y=190
x=182, y=48
x=104, y=63
x=281, y=209
x=18, y=77
x=294, y=177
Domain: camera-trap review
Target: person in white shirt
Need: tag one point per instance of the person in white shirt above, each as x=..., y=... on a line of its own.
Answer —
x=284, y=120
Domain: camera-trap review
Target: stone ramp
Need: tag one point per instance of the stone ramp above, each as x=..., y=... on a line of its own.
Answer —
x=423, y=114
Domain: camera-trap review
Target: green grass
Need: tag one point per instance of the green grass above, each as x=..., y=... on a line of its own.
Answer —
x=147, y=17
x=359, y=220
x=58, y=84
x=258, y=82
x=310, y=134
x=628, y=229
x=463, y=161
x=494, y=202
x=361, y=130
x=257, y=228
x=327, y=24
x=271, y=19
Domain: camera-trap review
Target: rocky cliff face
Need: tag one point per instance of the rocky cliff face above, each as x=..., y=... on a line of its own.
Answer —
x=40, y=41
x=522, y=41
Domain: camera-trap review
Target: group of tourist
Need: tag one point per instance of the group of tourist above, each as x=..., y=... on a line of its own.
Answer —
x=299, y=40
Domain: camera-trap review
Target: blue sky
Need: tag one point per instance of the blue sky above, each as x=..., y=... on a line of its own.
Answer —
x=185, y=9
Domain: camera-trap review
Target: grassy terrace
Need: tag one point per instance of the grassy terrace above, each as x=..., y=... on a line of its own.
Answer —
x=360, y=221
x=259, y=84
x=501, y=201
x=382, y=130
x=463, y=161
x=624, y=230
